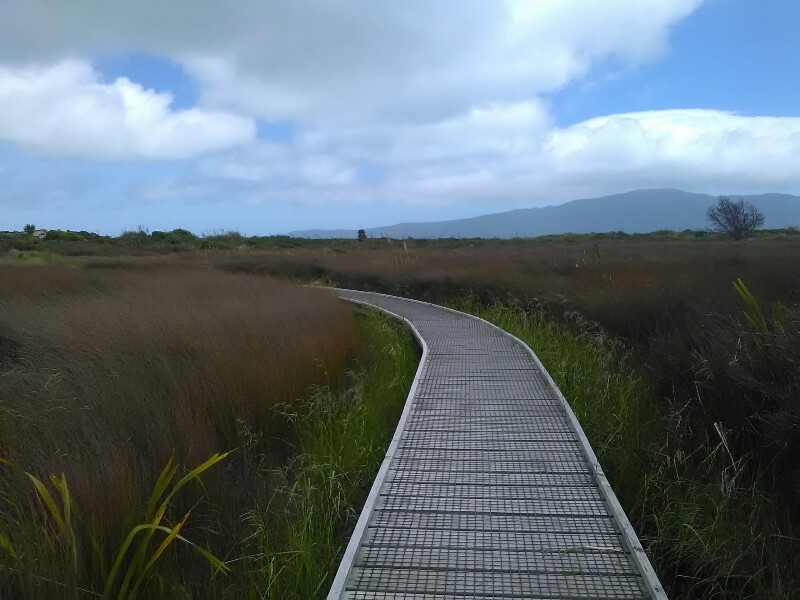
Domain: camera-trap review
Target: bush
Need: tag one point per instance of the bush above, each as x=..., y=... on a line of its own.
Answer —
x=176, y=237
x=222, y=240
x=183, y=235
x=140, y=236
x=67, y=236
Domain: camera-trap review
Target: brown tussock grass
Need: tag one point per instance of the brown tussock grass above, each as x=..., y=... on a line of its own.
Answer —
x=559, y=272
x=672, y=301
x=106, y=374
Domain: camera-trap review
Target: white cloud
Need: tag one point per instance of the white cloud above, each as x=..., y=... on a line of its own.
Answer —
x=421, y=101
x=354, y=61
x=695, y=149
x=512, y=154
x=63, y=109
x=281, y=166
x=420, y=61
x=700, y=146
x=482, y=132
x=354, y=67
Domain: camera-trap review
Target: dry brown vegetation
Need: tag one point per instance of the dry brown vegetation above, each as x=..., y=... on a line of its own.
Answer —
x=708, y=470
x=697, y=383
x=106, y=374
x=637, y=272
x=671, y=300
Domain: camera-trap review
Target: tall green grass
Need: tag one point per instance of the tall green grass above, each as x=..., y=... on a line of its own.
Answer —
x=711, y=531
x=299, y=534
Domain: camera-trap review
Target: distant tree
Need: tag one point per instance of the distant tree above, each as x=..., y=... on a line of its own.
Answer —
x=737, y=219
x=362, y=235
x=29, y=229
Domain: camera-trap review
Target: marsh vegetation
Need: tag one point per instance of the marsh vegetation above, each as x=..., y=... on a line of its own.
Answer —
x=681, y=355
x=183, y=432
x=686, y=383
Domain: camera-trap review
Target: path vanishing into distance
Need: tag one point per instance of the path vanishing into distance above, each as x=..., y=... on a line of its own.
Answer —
x=489, y=488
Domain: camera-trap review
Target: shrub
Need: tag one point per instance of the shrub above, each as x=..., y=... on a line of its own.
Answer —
x=67, y=236
x=183, y=235
x=176, y=238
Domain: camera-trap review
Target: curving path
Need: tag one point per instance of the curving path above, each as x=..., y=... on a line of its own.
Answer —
x=489, y=488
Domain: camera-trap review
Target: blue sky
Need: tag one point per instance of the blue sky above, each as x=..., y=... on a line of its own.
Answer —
x=734, y=55
x=270, y=117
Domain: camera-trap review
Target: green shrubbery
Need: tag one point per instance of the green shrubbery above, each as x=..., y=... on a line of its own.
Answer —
x=176, y=237
x=300, y=533
x=67, y=236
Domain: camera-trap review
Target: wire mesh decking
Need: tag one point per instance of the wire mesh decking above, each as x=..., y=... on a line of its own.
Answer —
x=489, y=488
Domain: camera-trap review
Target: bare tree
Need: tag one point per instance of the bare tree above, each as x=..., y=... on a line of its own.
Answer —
x=737, y=219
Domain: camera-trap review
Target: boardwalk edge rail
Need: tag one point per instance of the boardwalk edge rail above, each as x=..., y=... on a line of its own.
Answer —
x=628, y=534
x=337, y=588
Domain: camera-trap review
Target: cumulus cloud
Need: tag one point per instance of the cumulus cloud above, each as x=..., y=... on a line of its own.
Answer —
x=513, y=154
x=698, y=146
x=482, y=132
x=696, y=149
x=424, y=61
x=335, y=68
x=64, y=109
x=354, y=60
x=422, y=101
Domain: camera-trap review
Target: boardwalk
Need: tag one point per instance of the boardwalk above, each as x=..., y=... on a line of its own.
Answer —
x=489, y=488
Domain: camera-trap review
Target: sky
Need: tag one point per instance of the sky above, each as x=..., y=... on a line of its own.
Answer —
x=267, y=116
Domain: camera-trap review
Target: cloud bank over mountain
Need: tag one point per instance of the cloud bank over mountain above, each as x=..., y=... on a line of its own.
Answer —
x=359, y=102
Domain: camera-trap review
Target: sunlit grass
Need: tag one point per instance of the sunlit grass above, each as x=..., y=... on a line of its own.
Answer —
x=709, y=532
x=299, y=537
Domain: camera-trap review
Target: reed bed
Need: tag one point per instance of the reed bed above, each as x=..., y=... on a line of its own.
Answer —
x=672, y=302
x=701, y=341
x=106, y=376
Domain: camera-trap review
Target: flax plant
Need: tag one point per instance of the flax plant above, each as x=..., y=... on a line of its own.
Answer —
x=140, y=562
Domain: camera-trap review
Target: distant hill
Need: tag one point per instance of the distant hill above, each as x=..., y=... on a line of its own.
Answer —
x=639, y=211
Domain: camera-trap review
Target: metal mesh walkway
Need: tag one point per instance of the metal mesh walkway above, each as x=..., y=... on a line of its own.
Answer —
x=489, y=488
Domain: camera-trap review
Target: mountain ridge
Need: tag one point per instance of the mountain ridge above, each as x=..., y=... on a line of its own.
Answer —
x=636, y=211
